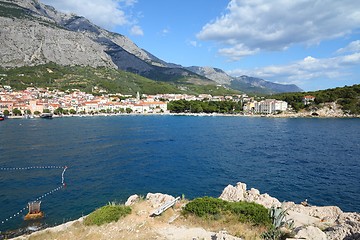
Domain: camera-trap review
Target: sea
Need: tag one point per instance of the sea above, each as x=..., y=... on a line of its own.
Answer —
x=110, y=158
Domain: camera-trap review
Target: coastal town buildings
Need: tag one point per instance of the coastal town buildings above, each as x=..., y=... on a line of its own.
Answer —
x=308, y=99
x=38, y=100
x=34, y=100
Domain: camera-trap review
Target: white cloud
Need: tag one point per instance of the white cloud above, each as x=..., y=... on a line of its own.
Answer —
x=250, y=26
x=193, y=43
x=137, y=31
x=105, y=13
x=309, y=68
x=238, y=51
x=129, y=2
x=165, y=31
x=352, y=47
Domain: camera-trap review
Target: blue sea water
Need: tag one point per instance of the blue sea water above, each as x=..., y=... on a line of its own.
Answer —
x=111, y=158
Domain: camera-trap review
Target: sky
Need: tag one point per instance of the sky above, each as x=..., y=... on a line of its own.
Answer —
x=314, y=44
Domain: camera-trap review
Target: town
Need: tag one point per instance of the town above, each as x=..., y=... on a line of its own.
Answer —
x=36, y=101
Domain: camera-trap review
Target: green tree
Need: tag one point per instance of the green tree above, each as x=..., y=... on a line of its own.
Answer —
x=46, y=110
x=6, y=112
x=129, y=110
x=16, y=112
x=37, y=113
x=72, y=111
x=59, y=111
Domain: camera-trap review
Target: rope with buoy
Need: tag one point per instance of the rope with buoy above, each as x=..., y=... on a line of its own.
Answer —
x=63, y=185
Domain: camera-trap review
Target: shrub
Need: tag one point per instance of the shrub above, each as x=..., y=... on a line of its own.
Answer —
x=212, y=208
x=250, y=212
x=205, y=206
x=107, y=214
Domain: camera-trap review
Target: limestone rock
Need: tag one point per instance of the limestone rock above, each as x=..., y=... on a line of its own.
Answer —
x=348, y=227
x=264, y=199
x=300, y=219
x=132, y=200
x=239, y=193
x=234, y=194
x=223, y=235
x=310, y=233
x=158, y=199
x=30, y=43
x=328, y=214
x=214, y=74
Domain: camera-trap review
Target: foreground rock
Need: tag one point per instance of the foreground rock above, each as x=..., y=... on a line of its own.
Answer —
x=347, y=227
x=310, y=233
x=158, y=199
x=239, y=193
x=308, y=220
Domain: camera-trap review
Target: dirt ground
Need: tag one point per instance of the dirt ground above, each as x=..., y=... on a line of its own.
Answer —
x=139, y=225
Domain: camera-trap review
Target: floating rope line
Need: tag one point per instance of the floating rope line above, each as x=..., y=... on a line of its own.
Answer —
x=30, y=168
x=63, y=185
x=62, y=176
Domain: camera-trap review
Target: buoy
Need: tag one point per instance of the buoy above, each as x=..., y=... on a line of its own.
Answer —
x=34, y=211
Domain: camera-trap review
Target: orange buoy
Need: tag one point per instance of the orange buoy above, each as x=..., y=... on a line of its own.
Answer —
x=34, y=211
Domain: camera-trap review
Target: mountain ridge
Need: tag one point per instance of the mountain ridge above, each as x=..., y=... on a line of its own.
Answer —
x=35, y=33
x=244, y=83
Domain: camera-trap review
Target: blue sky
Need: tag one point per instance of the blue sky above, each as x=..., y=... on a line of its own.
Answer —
x=314, y=44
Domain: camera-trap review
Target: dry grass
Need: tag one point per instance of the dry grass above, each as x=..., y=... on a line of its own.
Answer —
x=138, y=225
x=232, y=226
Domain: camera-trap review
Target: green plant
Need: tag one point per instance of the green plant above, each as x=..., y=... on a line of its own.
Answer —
x=250, y=212
x=279, y=221
x=107, y=214
x=215, y=209
x=205, y=207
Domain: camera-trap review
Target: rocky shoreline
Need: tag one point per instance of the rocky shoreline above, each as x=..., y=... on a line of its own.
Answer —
x=310, y=222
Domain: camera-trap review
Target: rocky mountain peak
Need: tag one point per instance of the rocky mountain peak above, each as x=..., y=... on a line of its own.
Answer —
x=33, y=33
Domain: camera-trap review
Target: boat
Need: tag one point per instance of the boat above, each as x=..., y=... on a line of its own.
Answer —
x=2, y=117
x=34, y=211
x=46, y=115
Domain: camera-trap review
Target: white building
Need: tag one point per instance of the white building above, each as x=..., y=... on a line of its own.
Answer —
x=270, y=106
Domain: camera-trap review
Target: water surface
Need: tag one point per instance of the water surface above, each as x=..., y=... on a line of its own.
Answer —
x=111, y=158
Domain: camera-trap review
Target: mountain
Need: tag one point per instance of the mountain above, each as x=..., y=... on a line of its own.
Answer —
x=258, y=85
x=244, y=83
x=33, y=34
x=214, y=74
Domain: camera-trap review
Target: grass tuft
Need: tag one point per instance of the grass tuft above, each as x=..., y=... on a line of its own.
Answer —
x=107, y=214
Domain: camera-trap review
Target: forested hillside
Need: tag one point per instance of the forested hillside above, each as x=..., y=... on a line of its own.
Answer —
x=348, y=97
x=110, y=80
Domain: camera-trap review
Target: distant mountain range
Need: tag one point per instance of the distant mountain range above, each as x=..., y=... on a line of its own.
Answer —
x=33, y=33
x=244, y=83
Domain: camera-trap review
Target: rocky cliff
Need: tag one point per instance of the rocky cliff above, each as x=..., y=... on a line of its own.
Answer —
x=33, y=33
